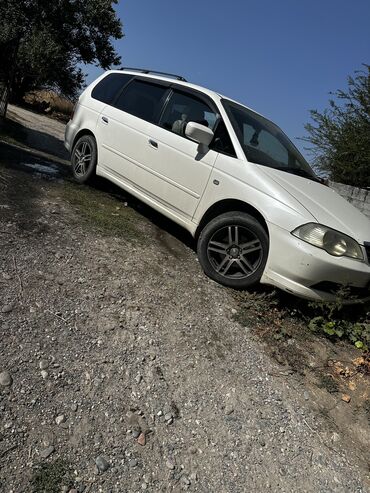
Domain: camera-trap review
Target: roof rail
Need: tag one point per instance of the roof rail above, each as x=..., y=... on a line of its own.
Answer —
x=148, y=71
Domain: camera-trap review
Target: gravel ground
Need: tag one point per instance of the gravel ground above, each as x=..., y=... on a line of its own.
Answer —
x=123, y=368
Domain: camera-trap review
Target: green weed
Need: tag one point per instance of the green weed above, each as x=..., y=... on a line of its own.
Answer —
x=105, y=213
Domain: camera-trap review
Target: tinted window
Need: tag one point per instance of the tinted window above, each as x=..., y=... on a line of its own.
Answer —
x=142, y=99
x=107, y=89
x=222, y=142
x=183, y=108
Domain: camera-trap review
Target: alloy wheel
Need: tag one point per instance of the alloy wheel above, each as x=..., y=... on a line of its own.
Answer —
x=82, y=158
x=235, y=252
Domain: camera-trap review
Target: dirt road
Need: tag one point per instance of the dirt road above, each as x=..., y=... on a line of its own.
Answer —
x=124, y=369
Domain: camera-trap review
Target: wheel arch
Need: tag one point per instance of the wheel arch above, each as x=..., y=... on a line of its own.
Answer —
x=81, y=133
x=229, y=205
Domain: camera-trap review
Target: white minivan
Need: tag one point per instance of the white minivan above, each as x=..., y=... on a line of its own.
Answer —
x=228, y=175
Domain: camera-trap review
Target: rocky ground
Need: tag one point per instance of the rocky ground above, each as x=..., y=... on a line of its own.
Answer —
x=124, y=369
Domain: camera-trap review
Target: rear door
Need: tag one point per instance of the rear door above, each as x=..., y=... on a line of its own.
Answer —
x=124, y=127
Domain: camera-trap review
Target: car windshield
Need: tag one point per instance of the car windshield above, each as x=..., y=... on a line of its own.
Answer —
x=264, y=143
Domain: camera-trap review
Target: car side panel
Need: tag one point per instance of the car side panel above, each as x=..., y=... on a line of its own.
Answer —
x=234, y=178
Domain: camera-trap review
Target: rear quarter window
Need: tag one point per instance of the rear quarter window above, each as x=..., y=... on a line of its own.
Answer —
x=107, y=89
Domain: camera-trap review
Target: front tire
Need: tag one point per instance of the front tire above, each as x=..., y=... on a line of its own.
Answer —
x=84, y=158
x=233, y=250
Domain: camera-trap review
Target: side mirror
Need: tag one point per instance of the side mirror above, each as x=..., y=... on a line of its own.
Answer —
x=199, y=133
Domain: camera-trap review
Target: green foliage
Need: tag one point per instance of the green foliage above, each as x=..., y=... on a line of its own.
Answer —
x=336, y=320
x=357, y=333
x=340, y=135
x=53, y=37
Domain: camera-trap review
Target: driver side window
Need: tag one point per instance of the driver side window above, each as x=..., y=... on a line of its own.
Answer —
x=183, y=108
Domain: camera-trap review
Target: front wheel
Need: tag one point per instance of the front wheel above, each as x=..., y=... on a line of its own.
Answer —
x=233, y=249
x=84, y=159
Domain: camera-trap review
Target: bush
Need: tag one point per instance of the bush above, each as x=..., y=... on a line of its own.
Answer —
x=340, y=136
x=49, y=102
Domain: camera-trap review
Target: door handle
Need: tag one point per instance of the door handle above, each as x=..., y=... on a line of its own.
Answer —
x=105, y=119
x=153, y=143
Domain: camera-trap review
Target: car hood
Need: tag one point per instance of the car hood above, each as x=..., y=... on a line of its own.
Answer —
x=324, y=204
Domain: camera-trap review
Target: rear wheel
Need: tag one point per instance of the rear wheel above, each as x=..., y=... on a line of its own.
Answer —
x=84, y=159
x=233, y=249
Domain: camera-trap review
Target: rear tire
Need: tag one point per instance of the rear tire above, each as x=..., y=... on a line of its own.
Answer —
x=233, y=250
x=84, y=159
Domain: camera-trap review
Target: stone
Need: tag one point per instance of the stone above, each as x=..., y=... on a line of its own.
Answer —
x=141, y=439
x=185, y=480
x=346, y=398
x=228, y=409
x=44, y=454
x=60, y=419
x=193, y=476
x=147, y=478
x=43, y=364
x=7, y=308
x=168, y=416
x=170, y=465
x=132, y=463
x=44, y=374
x=74, y=407
x=136, y=433
x=5, y=379
x=102, y=464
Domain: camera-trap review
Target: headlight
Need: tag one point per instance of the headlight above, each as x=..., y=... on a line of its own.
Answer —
x=335, y=243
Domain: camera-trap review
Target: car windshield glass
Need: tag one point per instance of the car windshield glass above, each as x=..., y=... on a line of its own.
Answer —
x=264, y=143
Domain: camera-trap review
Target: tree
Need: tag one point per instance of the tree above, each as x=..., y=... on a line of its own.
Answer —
x=340, y=136
x=53, y=37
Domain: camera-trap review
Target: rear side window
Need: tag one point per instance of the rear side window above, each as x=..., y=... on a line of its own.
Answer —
x=108, y=88
x=142, y=99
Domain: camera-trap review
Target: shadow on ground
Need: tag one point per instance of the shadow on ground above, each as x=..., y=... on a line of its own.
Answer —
x=16, y=133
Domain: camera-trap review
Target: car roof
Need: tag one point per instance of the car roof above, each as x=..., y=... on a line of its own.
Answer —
x=168, y=79
x=179, y=82
x=174, y=80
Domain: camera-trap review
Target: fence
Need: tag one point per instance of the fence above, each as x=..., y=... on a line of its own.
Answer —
x=359, y=197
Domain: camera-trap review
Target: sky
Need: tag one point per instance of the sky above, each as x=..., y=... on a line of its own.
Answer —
x=279, y=57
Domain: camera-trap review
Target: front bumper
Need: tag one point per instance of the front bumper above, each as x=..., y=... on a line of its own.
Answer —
x=304, y=270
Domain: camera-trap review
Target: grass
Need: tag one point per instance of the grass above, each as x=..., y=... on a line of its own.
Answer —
x=105, y=213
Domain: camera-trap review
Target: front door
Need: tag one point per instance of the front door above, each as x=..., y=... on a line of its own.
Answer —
x=179, y=171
